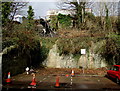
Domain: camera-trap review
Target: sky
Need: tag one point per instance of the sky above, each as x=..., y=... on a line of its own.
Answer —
x=40, y=8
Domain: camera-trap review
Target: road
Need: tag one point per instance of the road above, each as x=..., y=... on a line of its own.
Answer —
x=47, y=83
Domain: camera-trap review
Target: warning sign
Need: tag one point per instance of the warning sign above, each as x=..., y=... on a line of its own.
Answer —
x=83, y=51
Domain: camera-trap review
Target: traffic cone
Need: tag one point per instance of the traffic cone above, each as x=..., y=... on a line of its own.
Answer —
x=66, y=75
x=8, y=80
x=72, y=74
x=33, y=83
x=57, y=82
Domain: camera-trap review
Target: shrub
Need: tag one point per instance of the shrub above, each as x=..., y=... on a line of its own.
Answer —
x=64, y=21
x=19, y=47
x=112, y=49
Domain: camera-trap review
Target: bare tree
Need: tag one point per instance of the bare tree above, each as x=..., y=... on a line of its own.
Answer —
x=99, y=9
x=15, y=7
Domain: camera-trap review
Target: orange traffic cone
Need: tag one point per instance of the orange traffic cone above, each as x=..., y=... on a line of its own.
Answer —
x=8, y=80
x=33, y=83
x=72, y=74
x=57, y=82
x=66, y=75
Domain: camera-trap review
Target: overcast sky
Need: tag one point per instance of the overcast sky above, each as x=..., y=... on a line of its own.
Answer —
x=40, y=8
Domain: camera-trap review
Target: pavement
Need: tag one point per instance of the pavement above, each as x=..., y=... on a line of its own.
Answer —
x=79, y=82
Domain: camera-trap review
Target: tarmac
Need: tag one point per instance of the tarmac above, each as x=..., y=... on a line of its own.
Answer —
x=66, y=83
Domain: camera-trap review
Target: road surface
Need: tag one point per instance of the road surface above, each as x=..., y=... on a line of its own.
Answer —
x=48, y=82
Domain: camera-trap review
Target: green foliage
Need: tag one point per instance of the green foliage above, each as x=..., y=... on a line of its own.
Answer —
x=46, y=45
x=118, y=24
x=76, y=56
x=80, y=12
x=30, y=16
x=116, y=38
x=44, y=52
x=108, y=48
x=64, y=20
x=26, y=40
x=21, y=36
x=73, y=45
x=108, y=24
x=30, y=13
x=5, y=12
x=54, y=22
x=79, y=15
x=111, y=49
x=21, y=47
x=48, y=42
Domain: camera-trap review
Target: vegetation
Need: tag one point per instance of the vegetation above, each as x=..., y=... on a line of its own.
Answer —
x=112, y=49
x=30, y=16
x=9, y=10
x=30, y=13
x=64, y=21
x=108, y=25
x=54, y=22
x=78, y=7
x=72, y=45
x=23, y=46
x=5, y=12
x=20, y=45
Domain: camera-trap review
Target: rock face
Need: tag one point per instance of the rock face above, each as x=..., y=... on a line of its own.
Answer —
x=92, y=59
x=56, y=61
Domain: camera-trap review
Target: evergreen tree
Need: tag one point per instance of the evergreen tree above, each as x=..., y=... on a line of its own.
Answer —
x=107, y=18
x=30, y=16
x=30, y=13
x=79, y=7
x=5, y=12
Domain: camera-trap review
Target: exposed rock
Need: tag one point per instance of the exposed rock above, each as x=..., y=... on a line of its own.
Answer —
x=56, y=61
x=92, y=58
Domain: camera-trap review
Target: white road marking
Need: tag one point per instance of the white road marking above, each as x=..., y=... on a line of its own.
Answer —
x=71, y=83
x=44, y=79
x=40, y=81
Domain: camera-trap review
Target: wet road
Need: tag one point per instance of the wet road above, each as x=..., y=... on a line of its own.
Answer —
x=47, y=83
